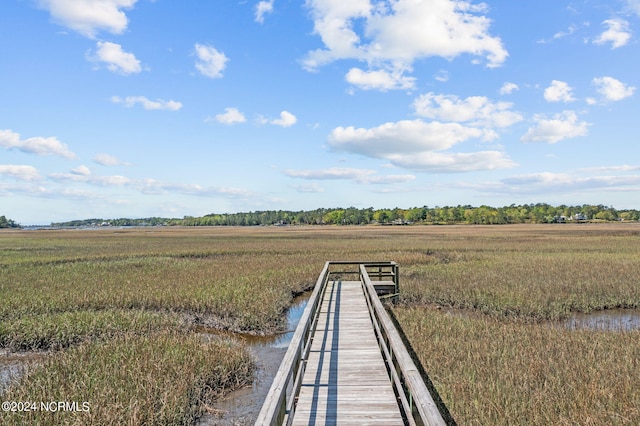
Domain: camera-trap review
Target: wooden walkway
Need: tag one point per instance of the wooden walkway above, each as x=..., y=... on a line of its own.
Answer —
x=345, y=381
x=346, y=363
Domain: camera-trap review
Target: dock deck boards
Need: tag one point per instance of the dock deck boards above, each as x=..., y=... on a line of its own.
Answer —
x=345, y=381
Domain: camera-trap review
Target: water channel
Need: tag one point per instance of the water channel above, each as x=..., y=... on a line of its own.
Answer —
x=242, y=407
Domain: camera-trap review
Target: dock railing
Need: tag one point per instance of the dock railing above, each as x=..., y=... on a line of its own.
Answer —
x=415, y=400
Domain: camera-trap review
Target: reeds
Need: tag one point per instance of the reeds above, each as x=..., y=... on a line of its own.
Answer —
x=162, y=378
x=494, y=372
x=498, y=359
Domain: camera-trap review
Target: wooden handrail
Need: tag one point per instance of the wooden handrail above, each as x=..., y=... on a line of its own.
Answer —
x=279, y=406
x=406, y=378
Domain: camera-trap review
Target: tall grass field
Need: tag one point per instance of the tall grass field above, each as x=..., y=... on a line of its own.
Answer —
x=115, y=313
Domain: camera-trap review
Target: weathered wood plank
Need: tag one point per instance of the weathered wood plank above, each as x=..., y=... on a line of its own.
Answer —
x=345, y=379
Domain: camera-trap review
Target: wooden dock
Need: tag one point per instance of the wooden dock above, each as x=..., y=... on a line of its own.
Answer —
x=346, y=364
x=345, y=381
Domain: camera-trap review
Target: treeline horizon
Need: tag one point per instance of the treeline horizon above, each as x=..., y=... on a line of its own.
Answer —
x=447, y=215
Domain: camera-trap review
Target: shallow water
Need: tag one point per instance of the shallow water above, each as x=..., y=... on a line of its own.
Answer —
x=12, y=365
x=242, y=407
x=607, y=320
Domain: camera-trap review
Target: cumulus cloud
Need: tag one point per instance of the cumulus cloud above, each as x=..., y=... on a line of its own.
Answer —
x=230, y=116
x=379, y=80
x=392, y=35
x=365, y=176
x=415, y=144
x=20, y=172
x=612, y=89
x=263, y=8
x=508, y=88
x=453, y=162
x=87, y=17
x=406, y=136
x=81, y=171
x=551, y=130
x=286, y=120
x=559, y=91
x=617, y=33
x=475, y=110
x=45, y=146
x=108, y=160
x=210, y=62
x=158, y=104
x=116, y=59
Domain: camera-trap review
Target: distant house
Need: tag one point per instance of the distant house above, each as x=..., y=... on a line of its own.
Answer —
x=579, y=217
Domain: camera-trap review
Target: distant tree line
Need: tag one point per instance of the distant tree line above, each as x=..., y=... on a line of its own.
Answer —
x=483, y=215
x=149, y=221
x=7, y=223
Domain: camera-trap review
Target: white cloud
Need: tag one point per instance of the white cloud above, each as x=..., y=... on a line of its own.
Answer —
x=612, y=89
x=19, y=172
x=74, y=176
x=442, y=76
x=159, y=104
x=155, y=187
x=81, y=171
x=546, y=182
x=387, y=179
x=230, y=116
x=365, y=176
x=87, y=17
x=622, y=168
x=37, y=145
x=115, y=58
x=414, y=145
x=380, y=80
x=475, y=110
x=312, y=188
x=406, y=136
x=508, y=88
x=633, y=6
x=210, y=62
x=330, y=173
x=263, y=8
x=559, y=91
x=286, y=120
x=449, y=162
x=572, y=29
x=108, y=160
x=562, y=126
x=618, y=33
x=392, y=35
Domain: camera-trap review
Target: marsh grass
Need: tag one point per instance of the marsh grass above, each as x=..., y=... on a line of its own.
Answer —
x=57, y=331
x=104, y=297
x=494, y=372
x=162, y=378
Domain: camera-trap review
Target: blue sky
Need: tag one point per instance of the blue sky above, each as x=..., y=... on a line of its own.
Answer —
x=137, y=108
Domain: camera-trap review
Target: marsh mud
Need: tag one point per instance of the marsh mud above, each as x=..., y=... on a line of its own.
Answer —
x=242, y=407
